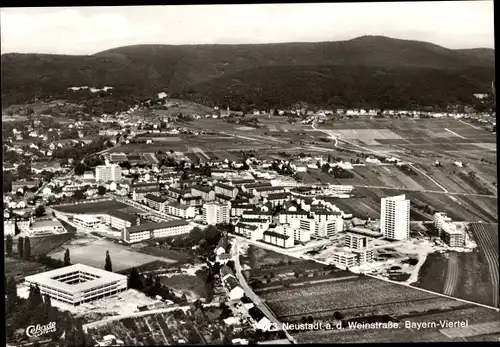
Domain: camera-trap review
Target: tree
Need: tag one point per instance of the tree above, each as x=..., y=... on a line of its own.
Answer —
x=27, y=248
x=8, y=244
x=101, y=190
x=79, y=195
x=67, y=260
x=79, y=169
x=337, y=315
x=107, y=265
x=11, y=294
x=134, y=280
x=40, y=211
x=20, y=246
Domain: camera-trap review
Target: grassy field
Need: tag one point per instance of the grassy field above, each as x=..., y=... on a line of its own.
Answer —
x=93, y=253
x=46, y=244
x=20, y=268
x=96, y=207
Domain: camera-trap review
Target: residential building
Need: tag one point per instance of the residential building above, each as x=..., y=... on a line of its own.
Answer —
x=364, y=256
x=216, y=213
x=255, y=214
x=344, y=260
x=355, y=241
x=286, y=217
x=237, y=210
x=261, y=322
x=233, y=288
x=277, y=239
x=180, y=210
x=155, y=202
x=206, y=192
x=395, y=217
x=226, y=189
x=119, y=220
x=277, y=199
x=191, y=200
x=109, y=172
x=250, y=231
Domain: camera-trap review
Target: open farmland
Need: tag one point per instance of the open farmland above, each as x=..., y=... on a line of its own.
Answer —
x=93, y=254
x=471, y=276
x=20, y=268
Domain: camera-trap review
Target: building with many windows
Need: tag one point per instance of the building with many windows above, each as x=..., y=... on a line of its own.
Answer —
x=87, y=221
x=119, y=220
x=180, y=210
x=9, y=228
x=344, y=260
x=395, y=217
x=46, y=227
x=278, y=239
x=147, y=231
x=206, y=193
x=226, y=189
x=156, y=202
x=448, y=230
x=355, y=241
x=216, y=213
x=78, y=284
x=107, y=173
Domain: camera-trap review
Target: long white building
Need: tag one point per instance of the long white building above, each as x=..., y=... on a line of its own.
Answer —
x=78, y=284
x=395, y=217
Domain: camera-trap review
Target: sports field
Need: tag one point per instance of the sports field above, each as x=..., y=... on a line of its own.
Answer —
x=93, y=254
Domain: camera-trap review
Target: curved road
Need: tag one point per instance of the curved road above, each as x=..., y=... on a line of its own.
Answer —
x=250, y=293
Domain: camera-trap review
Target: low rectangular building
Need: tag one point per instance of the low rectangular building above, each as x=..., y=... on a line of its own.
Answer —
x=78, y=284
x=277, y=239
x=87, y=221
x=355, y=241
x=344, y=260
x=46, y=227
x=206, y=192
x=155, y=202
x=180, y=210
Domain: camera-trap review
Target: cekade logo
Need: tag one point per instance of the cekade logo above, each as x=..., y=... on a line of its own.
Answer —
x=39, y=330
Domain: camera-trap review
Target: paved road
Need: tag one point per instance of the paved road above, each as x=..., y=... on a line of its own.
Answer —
x=250, y=293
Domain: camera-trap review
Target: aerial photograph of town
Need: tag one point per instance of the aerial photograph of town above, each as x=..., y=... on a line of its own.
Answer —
x=321, y=173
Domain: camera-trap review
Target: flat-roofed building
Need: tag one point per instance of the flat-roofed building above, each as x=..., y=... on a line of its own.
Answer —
x=395, y=217
x=146, y=231
x=255, y=214
x=191, y=200
x=87, y=221
x=364, y=255
x=216, y=213
x=119, y=220
x=237, y=210
x=355, y=241
x=277, y=199
x=46, y=227
x=344, y=260
x=78, y=284
x=250, y=231
x=107, y=173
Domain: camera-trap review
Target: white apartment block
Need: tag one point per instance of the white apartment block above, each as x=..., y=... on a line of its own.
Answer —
x=450, y=235
x=142, y=232
x=106, y=173
x=226, y=189
x=286, y=217
x=216, y=213
x=308, y=225
x=364, y=256
x=180, y=210
x=119, y=220
x=206, y=193
x=355, y=241
x=329, y=228
x=395, y=217
x=250, y=231
x=344, y=260
x=278, y=239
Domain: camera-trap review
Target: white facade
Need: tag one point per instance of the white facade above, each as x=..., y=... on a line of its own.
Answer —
x=216, y=213
x=86, y=221
x=78, y=284
x=106, y=173
x=344, y=259
x=47, y=227
x=364, y=256
x=355, y=241
x=180, y=210
x=9, y=228
x=395, y=217
x=286, y=217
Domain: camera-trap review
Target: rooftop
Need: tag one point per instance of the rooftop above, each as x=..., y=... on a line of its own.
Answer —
x=246, y=226
x=101, y=277
x=156, y=226
x=45, y=223
x=122, y=215
x=155, y=198
x=275, y=234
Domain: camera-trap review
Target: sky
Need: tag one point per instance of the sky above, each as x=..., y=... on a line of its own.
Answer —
x=88, y=30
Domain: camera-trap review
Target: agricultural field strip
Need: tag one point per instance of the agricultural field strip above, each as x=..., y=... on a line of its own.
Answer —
x=454, y=133
x=351, y=307
x=429, y=177
x=487, y=243
x=452, y=275
x=472, y=330
x=298, y=284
